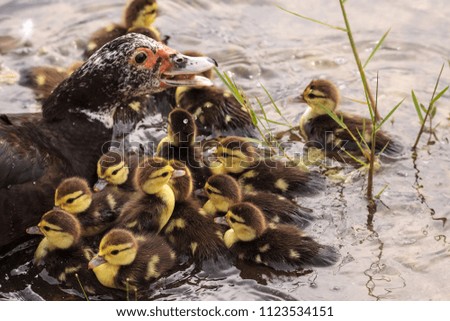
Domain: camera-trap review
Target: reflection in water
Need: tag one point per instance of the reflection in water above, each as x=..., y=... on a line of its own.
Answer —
x=402, y=254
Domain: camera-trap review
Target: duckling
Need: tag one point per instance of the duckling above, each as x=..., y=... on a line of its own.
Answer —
x=237, y=156
x=137, y=14
x=189, y=230
x=321, y=131
x=224, y=191
x=96, y=212
x=44, y=79
x=180, y=145
x=279, y=246
x=68, y=137
x=114, y=168
x=63, y=250
x=127, y=261
x=216, y=111
x=151, y=209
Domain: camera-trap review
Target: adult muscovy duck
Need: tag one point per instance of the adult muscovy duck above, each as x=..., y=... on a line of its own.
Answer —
x=77, y=121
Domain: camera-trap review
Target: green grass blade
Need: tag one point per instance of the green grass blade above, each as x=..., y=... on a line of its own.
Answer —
x=417, y=106
x=380, y=42
x=231, y=86
x=262, y=110
x=333, y=115
x=439, y=95
x=391, y=112
x=275, y=105
x=313, y=20
x=354, y=158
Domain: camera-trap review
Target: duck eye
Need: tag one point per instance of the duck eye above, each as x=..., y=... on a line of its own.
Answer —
x=114, y=173
x=232, y=219
x=140, y=57
x=153, y=11
x=47, y=228
x=164, y=174
x=115, y=252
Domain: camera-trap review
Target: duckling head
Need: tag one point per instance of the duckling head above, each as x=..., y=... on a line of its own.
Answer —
x=73, y=195
x=320, y=94
x=181, y=128
x=234, y=155
x=111, y=169
x=117, y=247
x=182, y=186
x=246, y=222
x=61, y=229
x=140, y=13
x=223, y=191
x=153, y=174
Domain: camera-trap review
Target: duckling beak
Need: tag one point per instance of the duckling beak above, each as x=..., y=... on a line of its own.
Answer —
x=178, y=173
x=34, y=230
x=300, y=99
x=184, y=71
x=100, y=185
x=96, y=261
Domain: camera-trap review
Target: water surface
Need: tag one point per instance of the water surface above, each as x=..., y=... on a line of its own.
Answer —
x=404, y=254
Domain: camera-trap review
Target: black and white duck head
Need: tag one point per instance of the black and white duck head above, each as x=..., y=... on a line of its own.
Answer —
x=130, y=66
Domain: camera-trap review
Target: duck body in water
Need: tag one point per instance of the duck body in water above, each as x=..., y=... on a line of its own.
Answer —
x=77, y=123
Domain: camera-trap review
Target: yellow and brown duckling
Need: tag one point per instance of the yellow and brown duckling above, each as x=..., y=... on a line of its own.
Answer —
x=216, y=111
x=115, y=169
x=138, y=16
x=67, y=138
x=224, y=191
x=189, y=230
x=95, y=211
x=152, y=207
x=321, y=131
x=62, y=250
x=180, y=144
x=44, y=79
x=128, y=261
x=238, y=156
x=279, y=246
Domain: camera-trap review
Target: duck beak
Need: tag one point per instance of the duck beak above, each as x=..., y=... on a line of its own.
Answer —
x=34, y=230
x=100, y=185
x=184, y=70
x=96, y=261
x=178, y=173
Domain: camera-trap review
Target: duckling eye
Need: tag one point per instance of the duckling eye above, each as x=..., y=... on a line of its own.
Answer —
x=164, y=174
x=311, y=95
x=47, y=228
x=153, y=11
x=70, y=200
x=225, y=155
x=232, y=219
x=114, y=173
x=115, y=252
x=140, y=57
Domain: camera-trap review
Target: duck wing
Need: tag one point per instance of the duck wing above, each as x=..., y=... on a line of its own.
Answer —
x=20, y=160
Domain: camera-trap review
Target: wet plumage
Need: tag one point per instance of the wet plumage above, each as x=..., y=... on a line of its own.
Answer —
x=279, y=246
x=68, y=137
x=321, y=131
x=131, y=261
